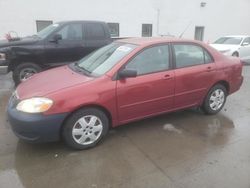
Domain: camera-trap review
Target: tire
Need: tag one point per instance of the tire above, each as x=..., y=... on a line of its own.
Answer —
x=80, y=133
x=235, y=54
x=215, y=99
x=23, y=71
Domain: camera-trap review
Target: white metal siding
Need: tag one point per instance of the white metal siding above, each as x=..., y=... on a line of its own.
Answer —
x=219, y=17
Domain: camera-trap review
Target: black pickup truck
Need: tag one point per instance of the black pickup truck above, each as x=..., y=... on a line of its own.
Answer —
x=58, y=44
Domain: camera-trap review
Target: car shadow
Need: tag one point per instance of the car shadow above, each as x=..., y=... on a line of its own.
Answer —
x=121, y=152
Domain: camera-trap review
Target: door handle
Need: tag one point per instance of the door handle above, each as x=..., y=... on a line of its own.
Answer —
x=167, y=77
x=209, y=69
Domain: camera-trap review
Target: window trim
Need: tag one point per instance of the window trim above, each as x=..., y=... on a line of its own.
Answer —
x=189, y=43
x=42, y=21
x=203, y=32
x=171, y=67
x=118, y=34
x=151, y=29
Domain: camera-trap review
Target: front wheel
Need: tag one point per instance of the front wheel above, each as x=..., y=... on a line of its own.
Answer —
x=235, y=54
x=23, y=71
x=85, y=128
x=215, y=100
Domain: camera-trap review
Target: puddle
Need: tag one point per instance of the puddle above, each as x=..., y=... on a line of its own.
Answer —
x=169, y=127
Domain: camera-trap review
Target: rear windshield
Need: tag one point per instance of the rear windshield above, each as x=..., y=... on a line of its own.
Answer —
x=229, y=40
x=102, y=60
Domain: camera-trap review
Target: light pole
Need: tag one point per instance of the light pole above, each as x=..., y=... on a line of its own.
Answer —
x=158, y=21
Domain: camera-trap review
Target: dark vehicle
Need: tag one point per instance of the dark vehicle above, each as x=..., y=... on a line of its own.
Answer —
x=58, y=44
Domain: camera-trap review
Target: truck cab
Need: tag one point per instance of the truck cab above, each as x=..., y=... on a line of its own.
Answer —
x=58, y=44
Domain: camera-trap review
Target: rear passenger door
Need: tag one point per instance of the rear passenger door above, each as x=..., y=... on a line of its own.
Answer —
x=194, y=74
x=95, y=36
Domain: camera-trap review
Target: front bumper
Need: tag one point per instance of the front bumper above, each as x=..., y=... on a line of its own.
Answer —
x=36, y=128
x=3, y=67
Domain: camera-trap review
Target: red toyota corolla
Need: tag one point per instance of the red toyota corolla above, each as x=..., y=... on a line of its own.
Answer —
x=124, y=81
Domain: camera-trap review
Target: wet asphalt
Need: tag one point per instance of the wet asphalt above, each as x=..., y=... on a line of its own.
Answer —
x=186, y=149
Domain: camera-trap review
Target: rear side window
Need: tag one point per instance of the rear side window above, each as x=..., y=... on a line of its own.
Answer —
x=189, y=55
x=208, y=58
x=153, y=59
x=94, y=31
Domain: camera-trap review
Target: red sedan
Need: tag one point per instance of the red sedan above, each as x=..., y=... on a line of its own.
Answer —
x=122, y=82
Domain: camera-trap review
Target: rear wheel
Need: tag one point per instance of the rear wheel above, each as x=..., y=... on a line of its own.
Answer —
x=85, y=128
x=23, y=71
x=215, y=99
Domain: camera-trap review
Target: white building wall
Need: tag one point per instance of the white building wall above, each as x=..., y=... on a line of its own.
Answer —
x=219, y=17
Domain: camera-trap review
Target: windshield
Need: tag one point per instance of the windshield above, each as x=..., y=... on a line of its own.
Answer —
x=47, y=31
x=102, y=60
x=229, y=40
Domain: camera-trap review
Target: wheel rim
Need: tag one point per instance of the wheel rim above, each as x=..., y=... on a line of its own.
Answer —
x=26, y=73
x=217, y=99
x=87, y=130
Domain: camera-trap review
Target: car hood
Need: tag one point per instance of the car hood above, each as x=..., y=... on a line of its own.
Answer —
x=22, y=41
x=53, y=80
x=224, y=47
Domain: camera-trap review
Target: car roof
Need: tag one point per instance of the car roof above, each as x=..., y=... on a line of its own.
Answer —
x=154, y=40
x=79, y=21
x=237, y=36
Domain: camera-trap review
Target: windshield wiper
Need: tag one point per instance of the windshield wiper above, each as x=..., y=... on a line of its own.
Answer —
x=82, y=69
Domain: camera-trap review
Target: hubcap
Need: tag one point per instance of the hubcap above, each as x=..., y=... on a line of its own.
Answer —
x=26, y=73
x=87, y=130
x=217, y=99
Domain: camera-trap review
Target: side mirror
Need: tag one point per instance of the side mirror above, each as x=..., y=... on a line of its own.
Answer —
x=56, y=38
x=245, y=43
x=127, y=73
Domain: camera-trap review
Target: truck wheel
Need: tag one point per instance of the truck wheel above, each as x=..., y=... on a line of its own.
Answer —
x=24, y=71
x=85, y=128
x=215, y=99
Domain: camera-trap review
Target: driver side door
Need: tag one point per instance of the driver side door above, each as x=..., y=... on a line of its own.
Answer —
x=152, y=90
x=70, y=48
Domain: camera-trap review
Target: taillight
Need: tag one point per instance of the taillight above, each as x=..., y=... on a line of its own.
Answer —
x=242, y=62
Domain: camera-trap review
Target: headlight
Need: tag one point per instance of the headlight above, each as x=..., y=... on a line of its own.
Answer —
x=2, y=56
x=34, y=105
x=15, y=95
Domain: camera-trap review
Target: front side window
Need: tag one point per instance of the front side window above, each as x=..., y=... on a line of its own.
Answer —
x=153, y=59
x=102, y=60
x=47, y=31
x=189, y=55
x=71, y=32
